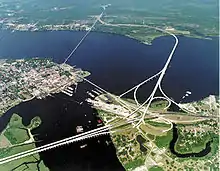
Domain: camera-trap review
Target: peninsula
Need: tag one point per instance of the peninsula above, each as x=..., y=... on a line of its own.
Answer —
x=25, y=79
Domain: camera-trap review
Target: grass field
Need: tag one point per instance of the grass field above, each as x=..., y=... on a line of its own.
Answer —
x=14, y=134
x=155, y=168
x=16, y=121
x=28, y=163
x=164, y=141
x=134, y=164
x=154, y=130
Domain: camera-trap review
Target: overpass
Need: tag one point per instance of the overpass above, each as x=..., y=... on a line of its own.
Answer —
x=108, y=128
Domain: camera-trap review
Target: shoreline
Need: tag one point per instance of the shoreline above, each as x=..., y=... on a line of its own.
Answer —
x=118, y=34
x=64, y=76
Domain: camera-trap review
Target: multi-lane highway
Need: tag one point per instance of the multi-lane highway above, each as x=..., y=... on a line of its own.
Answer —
x=105, y=129
x=89, y=134
x=161, y=73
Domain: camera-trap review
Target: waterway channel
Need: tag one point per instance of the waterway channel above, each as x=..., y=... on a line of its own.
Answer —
x=116, y=63
x=202, y=153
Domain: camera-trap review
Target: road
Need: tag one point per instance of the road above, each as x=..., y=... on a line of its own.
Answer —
x=95, y=132
x=143, y=82
x=161, y=73
x=89, y=134
x=83, y=38
x=105, y=129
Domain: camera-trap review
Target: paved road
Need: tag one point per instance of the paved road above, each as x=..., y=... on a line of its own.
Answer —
x=89, y=134
x=161, y=73
x=105, y=129
x=84, y=37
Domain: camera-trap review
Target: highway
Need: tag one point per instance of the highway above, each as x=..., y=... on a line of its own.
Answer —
x=143, y=82
x=108, y=128
x=35, y=151
x=161, y=73
x=54, y=144
x=89, y=134
x=84, y=37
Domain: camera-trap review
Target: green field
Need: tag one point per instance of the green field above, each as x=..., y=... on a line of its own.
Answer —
x=159, y=124
x=164, y=141
x=16, y=133
x=134, y=164
x=28, y=163
x=155, y=168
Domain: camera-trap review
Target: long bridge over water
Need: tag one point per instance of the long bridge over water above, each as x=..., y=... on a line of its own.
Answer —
x=130, y=119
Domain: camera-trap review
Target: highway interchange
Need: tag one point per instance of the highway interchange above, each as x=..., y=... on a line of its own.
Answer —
x=132, y=118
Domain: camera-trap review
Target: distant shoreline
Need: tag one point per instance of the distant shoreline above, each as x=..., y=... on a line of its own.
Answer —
x=118, y=34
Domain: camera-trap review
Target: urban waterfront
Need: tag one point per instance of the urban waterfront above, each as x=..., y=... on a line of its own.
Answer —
x=111, y=57
x=116, y=63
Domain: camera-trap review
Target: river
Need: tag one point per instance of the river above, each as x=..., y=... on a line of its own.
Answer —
x=116, y=63
x=202, y=153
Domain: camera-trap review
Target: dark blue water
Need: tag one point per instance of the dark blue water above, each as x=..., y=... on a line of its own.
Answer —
x=116, y=63
x=60, y=115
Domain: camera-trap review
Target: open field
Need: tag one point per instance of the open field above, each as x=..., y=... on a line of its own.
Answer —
x=17, y=138
x=28, y=163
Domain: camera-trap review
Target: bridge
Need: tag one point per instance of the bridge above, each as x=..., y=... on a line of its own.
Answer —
x=86, y=135
x=84, y=37
x=131, y=118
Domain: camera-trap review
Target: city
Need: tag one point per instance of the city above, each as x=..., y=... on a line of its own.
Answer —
x=26, y=79
x=155, y=112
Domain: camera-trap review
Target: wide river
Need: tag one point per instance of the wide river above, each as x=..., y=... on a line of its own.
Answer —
x=117, y=63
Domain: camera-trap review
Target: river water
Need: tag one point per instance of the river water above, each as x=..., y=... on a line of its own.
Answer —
x=116, y=63
x=202, y=153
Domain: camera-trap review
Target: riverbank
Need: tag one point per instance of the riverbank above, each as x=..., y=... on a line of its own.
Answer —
x=26, y=79
x=17, y=138
x=156, y=142
x=117, y=63
x=143, y=34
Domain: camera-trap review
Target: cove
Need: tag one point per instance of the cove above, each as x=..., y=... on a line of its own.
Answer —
x=60, y=114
